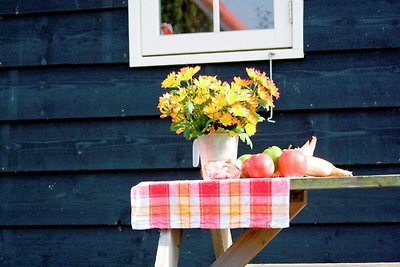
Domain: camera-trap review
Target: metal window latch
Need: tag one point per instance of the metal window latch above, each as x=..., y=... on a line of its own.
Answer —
x=291, y=11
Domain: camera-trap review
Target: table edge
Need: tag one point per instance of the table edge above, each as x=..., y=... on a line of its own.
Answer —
x=363, y=181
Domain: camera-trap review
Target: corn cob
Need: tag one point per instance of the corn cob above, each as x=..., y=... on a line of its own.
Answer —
x=321, y=168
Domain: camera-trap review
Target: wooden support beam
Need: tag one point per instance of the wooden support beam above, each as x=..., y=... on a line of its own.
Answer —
x=168, y=248
x=252, y=241
x=222, y=240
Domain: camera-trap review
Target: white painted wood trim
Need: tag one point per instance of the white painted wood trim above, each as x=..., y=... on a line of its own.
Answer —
x=205, y=54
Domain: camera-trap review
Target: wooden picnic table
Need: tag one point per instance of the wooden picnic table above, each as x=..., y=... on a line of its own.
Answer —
x=242, y=250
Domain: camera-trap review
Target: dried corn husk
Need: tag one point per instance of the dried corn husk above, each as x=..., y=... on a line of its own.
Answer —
x=309, y=147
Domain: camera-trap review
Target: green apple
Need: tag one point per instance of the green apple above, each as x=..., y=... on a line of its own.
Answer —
x=244, y=157
x=274, y=152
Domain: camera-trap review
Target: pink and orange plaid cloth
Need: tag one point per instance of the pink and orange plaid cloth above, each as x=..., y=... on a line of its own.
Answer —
x=215, y=204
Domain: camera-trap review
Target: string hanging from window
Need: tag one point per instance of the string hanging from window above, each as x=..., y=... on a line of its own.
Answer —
x=271, y=110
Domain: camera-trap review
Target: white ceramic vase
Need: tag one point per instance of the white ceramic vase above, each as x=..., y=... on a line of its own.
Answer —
x=218, y=156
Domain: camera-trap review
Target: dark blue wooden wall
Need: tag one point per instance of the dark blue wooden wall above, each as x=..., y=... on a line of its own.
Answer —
x=79, y=128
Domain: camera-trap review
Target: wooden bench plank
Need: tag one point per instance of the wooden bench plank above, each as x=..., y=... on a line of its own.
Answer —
x=369, y=181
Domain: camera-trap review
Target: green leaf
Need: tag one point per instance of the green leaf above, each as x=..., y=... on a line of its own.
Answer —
x=246, y=139
x=176, y=126
x=186, y=133
x=195, y=134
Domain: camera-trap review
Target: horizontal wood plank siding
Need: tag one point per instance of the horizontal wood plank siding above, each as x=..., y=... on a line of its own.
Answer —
x=73, y=38
x=147, y=143
x=351, y=80
x=113, y=246
x=102, y=36
x=60, y=199
x=79, y=128
x=18, y=7
x=349, y=25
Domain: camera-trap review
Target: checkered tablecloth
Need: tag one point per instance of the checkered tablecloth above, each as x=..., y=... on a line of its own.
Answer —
x=215, y=204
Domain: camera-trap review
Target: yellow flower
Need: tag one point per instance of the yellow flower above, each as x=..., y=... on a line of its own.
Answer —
x=242, y=83
x=200, y=99
x=181, y=94
x=257, y=76
x=180, y=130
x=204, y=82
x=273, y=90
x=269, y=101
x=204, y=104
x=227, y=119
x=176, y=114
x=212, y=111
x=219, y=100
x=251, y=72
x=186, y=73
x=262, y=93
x=164, y=105
x=239, y=110
x=253, y=117
x=232, y=97
x=250, y=129
x=170, y=81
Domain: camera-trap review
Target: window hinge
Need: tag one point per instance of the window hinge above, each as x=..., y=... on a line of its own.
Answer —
x=291, y=11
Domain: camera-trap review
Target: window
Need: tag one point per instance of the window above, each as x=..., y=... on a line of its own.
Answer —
x=167, y=32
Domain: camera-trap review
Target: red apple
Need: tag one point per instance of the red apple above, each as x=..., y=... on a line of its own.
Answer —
x=259, y=166
x=292, y=162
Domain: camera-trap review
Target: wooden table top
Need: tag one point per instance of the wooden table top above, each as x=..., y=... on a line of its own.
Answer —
x=367, y=181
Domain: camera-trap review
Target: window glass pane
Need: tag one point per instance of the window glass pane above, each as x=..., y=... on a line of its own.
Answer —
x=186, y=16
x=246, y=15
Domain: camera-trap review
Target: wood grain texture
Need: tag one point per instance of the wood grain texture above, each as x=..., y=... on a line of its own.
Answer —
x=109, y=246
x=221, y=239
x=252, y=241
x=78, y=39
x=79, y=92
x=102, y=198
x=246, y=247
x=147, y=143
x=99, y=198
x=79, y=128
x=365, y=264
x=93, y=37
x=353, y=205
x=367, y=181
x=168, y=248
x=337, y=25
x=367, y=79
x=96, y=246
x=18, y=7
x=339, y=243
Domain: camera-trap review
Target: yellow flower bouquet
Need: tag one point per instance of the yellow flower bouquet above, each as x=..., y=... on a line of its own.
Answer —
x=205, y=105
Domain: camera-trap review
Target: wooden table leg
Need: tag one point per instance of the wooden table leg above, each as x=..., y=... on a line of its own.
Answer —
x=222, y=240
x=252, y=241
x=168, y=248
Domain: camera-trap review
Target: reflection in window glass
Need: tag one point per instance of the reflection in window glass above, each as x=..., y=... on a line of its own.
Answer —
x=246, y=15
x=186, y=16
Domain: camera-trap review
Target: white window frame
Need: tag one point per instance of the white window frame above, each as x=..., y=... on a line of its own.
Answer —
x=148, y=48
